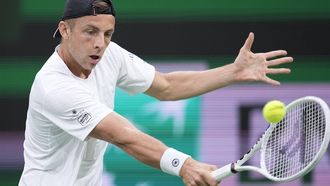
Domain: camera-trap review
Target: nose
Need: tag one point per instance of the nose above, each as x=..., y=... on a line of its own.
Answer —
x=99, y=42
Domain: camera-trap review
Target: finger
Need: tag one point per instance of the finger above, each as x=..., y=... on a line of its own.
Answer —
x=271, y=81
x=201, y=182
x=280, y=61
x=278, y=71
x=213, y=168
x=248, y=42
x=210, y=180
x=275, y=53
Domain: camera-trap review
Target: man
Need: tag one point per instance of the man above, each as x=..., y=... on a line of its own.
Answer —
x=71, y=116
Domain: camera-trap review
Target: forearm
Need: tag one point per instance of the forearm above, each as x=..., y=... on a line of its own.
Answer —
x=119, y=131
x=142, y=147
x=193, y=83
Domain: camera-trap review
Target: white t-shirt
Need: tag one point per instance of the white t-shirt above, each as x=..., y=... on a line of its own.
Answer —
x=64, y=109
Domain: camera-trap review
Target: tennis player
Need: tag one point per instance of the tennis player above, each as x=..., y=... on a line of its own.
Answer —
x=71, y=117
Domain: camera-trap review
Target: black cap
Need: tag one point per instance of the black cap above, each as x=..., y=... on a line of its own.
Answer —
x=80, y=8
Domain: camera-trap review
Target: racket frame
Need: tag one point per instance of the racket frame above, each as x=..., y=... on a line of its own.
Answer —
x=316, y=158
x=238, y=166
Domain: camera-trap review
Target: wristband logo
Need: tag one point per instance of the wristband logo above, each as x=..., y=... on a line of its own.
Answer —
x=175, y=162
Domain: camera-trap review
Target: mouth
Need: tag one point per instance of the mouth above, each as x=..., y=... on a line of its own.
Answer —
x=95, y=59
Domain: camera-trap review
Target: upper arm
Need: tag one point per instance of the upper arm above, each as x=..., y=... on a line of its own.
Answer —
x=114, y=129
x=134, y=74
x=159, y=87
x=119, y=131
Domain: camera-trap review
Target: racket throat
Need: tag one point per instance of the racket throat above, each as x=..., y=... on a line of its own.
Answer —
x=232, y=168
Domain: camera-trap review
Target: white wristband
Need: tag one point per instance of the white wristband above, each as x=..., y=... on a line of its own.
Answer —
x=172, y=161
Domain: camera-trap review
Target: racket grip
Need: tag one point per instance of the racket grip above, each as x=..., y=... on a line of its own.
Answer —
x=223, y=172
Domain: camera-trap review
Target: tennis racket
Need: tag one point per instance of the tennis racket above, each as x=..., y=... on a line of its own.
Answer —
x=290, y=148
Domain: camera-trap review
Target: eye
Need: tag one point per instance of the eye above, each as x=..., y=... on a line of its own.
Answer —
x=108, y=34
x=91, y=32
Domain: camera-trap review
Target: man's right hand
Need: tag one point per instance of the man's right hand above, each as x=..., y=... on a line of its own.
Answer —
x=195, y=173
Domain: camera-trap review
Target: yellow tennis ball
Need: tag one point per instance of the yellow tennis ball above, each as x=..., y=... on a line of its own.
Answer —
x=274, y=111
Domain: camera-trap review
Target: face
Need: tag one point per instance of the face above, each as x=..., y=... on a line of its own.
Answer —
x=84, y=41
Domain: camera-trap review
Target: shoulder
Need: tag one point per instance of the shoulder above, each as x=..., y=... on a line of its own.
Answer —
x=114, y=56
x=54, y=92
x=116, y=51
x=115, y=46
x=49, y=81
x=54, y=74
x=51, y=88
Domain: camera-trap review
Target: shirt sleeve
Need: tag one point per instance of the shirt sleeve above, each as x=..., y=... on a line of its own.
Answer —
x=74, y=109
x=135, y=75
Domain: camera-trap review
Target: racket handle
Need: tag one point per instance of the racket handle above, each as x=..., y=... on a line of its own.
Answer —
x=223, y=172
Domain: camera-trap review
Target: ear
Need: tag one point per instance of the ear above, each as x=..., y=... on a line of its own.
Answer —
x=64, y=29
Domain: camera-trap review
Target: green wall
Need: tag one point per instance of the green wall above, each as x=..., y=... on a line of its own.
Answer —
x=39, y=10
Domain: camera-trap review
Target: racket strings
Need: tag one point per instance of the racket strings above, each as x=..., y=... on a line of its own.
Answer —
x=295, y=141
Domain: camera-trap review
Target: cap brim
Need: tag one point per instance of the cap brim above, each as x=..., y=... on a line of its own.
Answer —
x=56, y=34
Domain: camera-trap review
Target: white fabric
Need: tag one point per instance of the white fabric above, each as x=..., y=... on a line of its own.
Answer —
x=172, y=161
x=64, y=109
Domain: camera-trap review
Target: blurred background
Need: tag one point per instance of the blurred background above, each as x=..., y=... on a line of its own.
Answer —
x=217, y=127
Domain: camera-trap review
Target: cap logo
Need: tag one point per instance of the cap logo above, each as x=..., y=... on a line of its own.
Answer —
x=102, y=7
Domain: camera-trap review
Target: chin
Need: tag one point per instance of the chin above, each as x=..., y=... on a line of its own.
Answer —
x=88, y=69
